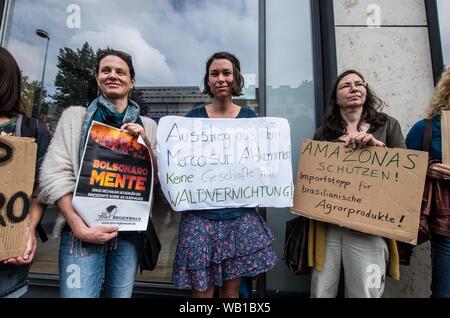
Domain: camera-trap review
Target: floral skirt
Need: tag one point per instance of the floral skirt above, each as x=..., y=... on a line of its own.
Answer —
x=211, y=252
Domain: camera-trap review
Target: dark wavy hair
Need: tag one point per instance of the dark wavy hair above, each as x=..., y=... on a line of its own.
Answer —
x=124, y=56
x=335, y=126
x=238, y=82
x=10, y=85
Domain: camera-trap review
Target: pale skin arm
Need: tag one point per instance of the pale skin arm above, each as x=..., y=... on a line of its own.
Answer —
x=358, y=140
x=137, y=130
x=95, y=234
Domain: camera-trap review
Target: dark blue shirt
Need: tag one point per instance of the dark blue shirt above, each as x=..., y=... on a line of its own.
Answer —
x=414, y=139
x=221, y=214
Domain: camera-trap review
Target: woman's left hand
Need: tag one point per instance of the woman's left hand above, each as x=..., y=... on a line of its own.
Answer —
x=358, y=140
x=138, y=130
x=134, y=129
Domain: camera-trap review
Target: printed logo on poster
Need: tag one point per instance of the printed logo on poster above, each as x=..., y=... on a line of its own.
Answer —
x=115, y=181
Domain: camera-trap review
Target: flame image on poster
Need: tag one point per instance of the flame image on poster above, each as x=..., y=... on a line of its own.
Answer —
x=115, y=182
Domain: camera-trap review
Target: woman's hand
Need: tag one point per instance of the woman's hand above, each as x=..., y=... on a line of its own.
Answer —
x=96, y=234
x=138, y=130
x=29, y=252
x=439, y=171
x=359, y=139
x=134, y=129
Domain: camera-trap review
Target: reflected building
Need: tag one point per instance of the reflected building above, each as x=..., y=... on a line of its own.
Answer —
x=292, y=101
x=160, y=101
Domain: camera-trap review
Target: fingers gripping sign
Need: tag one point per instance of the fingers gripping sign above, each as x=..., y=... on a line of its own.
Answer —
x=133, y=129
x=359, y=139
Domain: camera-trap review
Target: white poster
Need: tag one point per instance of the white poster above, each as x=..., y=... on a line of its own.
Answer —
x=225, y=163
x=115, y=182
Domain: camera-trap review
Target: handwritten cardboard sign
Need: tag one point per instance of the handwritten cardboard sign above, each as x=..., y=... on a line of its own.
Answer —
x=373, y=190
x=224, y=163
x=17, y=170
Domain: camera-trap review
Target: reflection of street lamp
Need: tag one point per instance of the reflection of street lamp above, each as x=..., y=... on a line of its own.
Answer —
x=42, y=34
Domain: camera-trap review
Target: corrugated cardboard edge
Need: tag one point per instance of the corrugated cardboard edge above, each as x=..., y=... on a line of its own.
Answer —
x=17, y=175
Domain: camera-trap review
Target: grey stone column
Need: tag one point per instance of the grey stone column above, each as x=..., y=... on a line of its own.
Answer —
x=387, y=41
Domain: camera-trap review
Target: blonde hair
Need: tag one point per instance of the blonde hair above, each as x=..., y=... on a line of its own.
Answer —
x=441, y=96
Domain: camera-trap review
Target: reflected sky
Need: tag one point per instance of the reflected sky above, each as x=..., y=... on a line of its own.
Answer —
x=444, y=22
x=169, y=40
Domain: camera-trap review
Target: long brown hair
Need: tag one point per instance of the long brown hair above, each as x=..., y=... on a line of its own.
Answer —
x=335, y=126
x=10, y=85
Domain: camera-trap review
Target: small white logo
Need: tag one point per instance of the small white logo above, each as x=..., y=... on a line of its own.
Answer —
x=373, y=16
x=74, y=279
x=74, y=19
x=375, y=279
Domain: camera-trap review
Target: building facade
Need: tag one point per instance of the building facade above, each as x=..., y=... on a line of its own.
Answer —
x=290, y=51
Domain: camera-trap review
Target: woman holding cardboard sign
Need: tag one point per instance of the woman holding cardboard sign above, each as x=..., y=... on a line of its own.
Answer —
x=89, y=255
x=14, y=271
x=219, y=247
x=428, y=135
x=353, y=118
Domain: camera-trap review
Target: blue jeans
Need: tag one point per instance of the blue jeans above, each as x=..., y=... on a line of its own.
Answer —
x=440, y=261
x=84, y=266
x=13, y=280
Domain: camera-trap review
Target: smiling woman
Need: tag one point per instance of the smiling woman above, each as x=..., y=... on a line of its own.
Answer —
x=166, y=80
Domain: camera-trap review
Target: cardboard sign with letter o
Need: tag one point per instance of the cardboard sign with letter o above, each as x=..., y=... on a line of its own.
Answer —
x=17, y=170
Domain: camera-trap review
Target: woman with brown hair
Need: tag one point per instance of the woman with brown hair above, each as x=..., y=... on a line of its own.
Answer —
x=353, y=117
x=217, y=248
x=14, y=271
x=99, y=254
x=437, y=224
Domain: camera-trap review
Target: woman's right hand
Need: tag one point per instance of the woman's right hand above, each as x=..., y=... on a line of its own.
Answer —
x=96, y=234
x=439, y=171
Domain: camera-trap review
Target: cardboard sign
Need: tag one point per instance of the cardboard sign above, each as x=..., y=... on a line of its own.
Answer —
x=115, y=181
x=225, y=163
x=372, y=190
x=17, y=170
x=445, y=128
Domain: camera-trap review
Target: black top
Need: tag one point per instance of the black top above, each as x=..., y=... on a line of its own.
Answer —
x=201, y=113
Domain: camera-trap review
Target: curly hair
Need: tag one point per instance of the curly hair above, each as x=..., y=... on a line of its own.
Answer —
x=441, y=96
x=335, y=126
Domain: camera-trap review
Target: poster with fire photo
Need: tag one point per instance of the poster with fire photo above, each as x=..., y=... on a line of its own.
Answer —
x=115, y=181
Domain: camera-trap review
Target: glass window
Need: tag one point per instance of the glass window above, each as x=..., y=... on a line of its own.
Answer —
x=444, y=23
x=290, y=94
x=55, y=43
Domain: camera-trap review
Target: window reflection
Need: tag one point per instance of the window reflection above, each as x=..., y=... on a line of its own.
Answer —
x=169, y=41
x=444, y=24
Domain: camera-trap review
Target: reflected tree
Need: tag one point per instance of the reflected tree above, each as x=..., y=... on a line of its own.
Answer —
x=75, y=81
x=30, y=97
